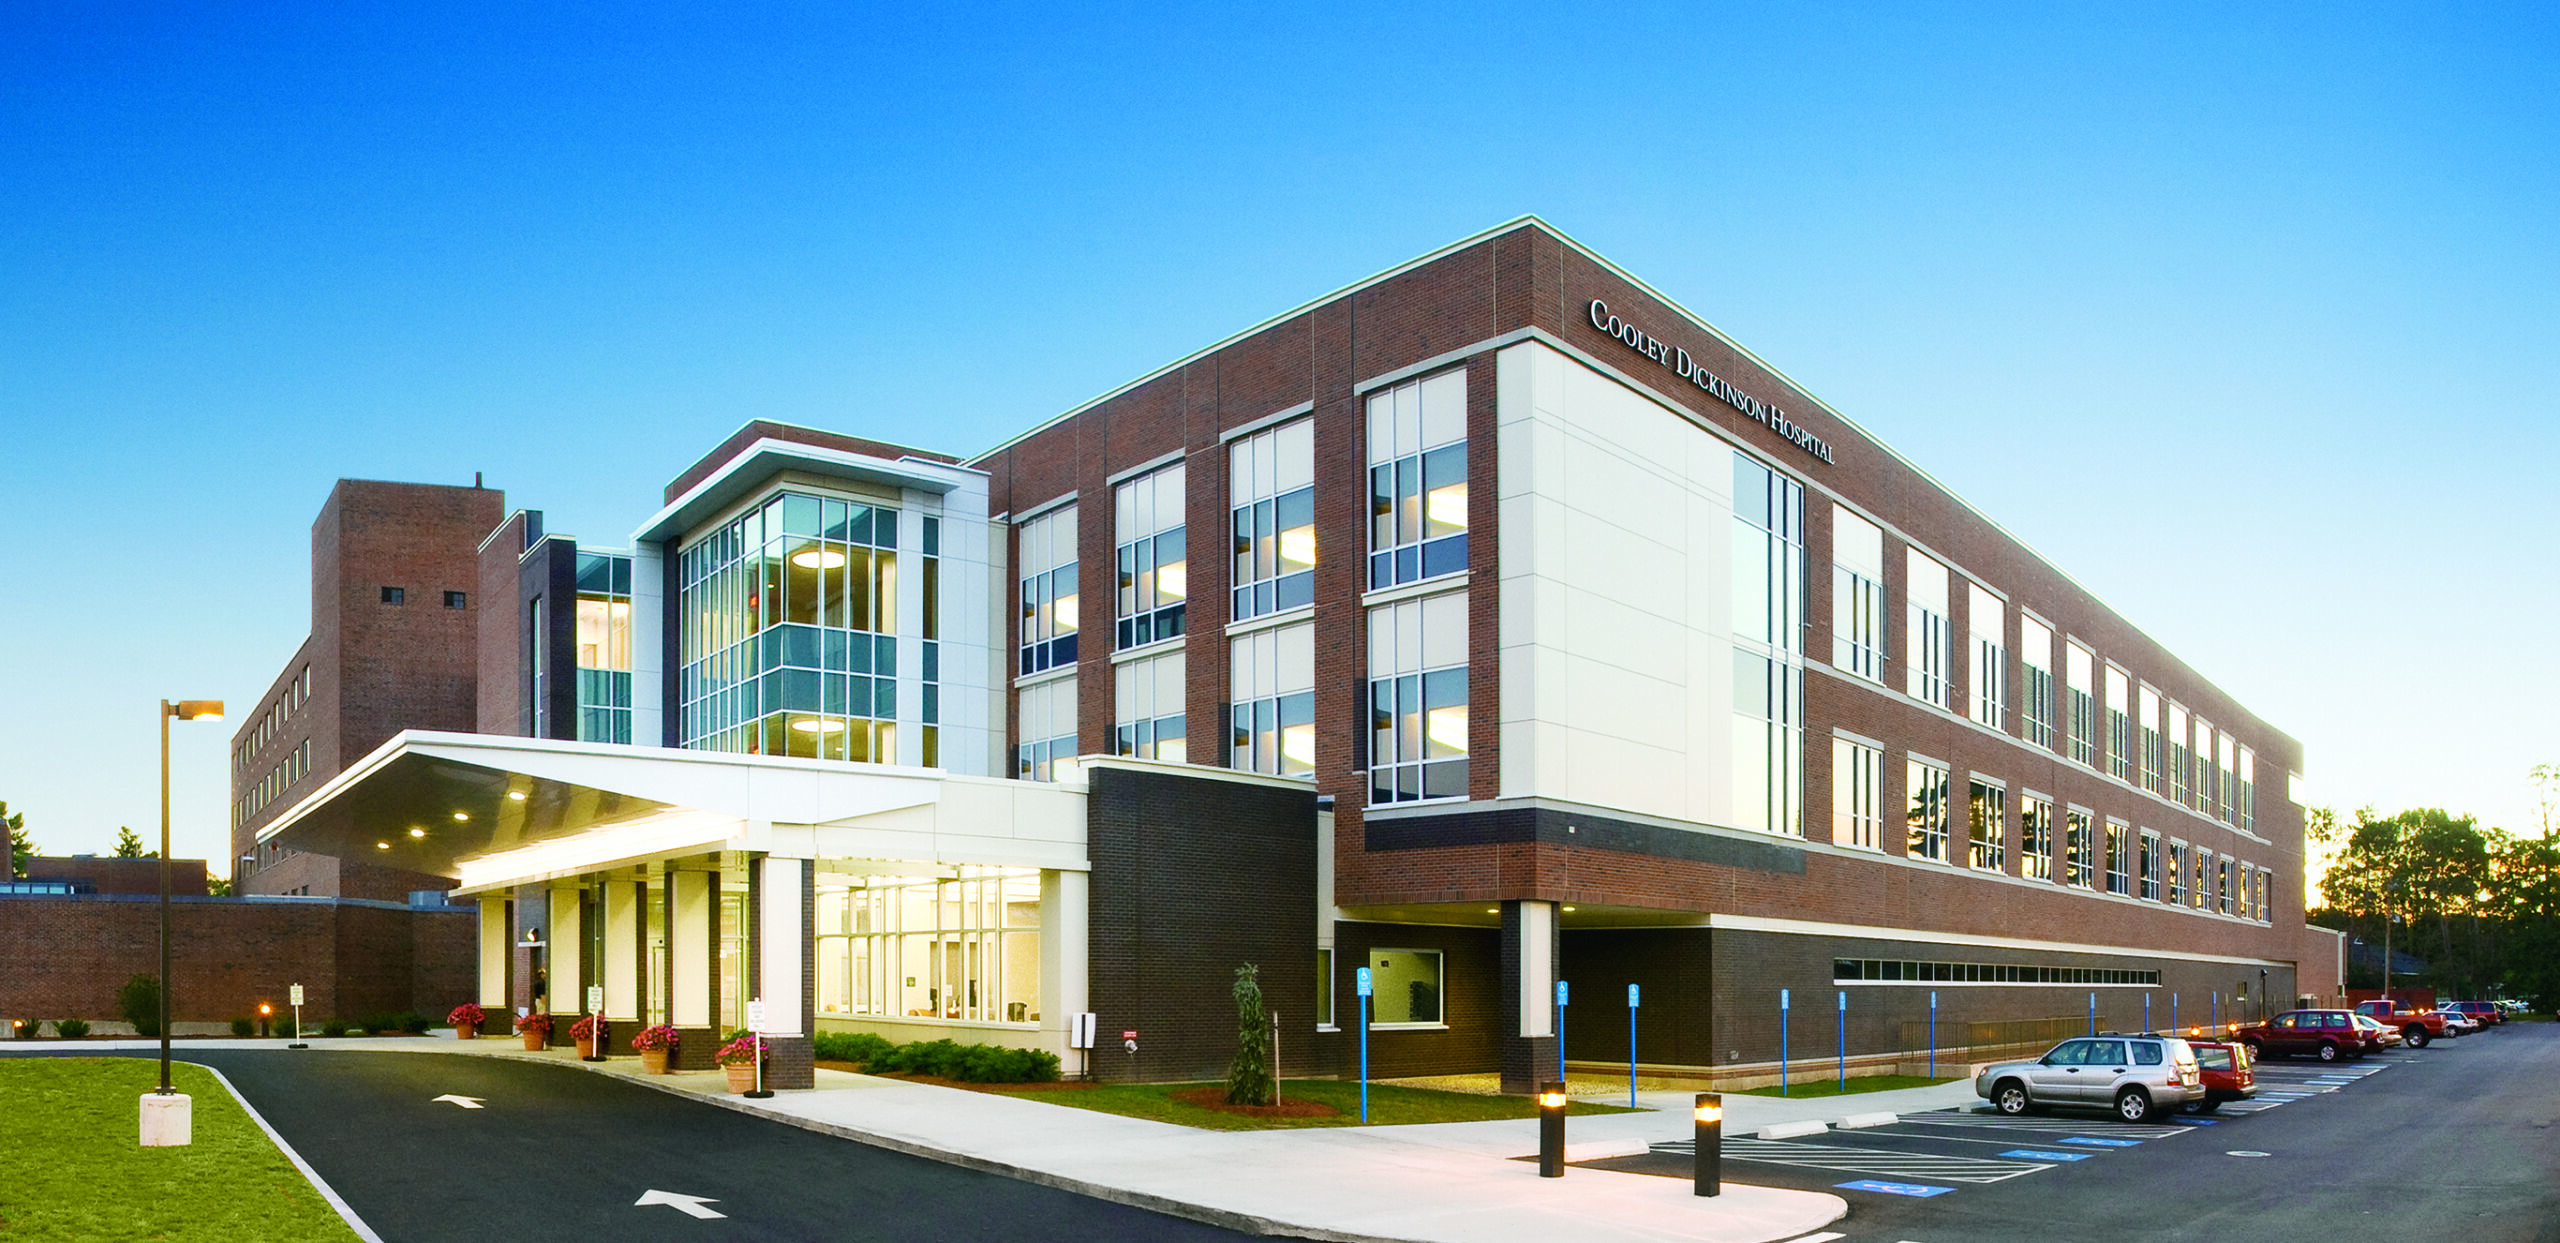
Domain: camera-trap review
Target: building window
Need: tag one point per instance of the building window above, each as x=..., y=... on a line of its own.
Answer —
x=1987, y=619
x=2266, y=890
x=395, y=595
x=539, y=648
x=2207, y=796
x=2149, y=701
x=963, y=948
x=1324, y=986
x=1048, y=545
x=2202, y=892
x=1271, y=490
x=457, y=600
x=1153, y=565
x=2150, y=866
x=1046, y=720
x=604, y=647
x=2178, y=756
x=2246, y=801
x=2035, y=839
x=2177, y=870
x=1857, y=806
x=2079, y=853
x=2222, y=885
x=1989, y=827
x=1921, y=971
x=1926, y=816
x=1271, y=723
x=2119, y=857
x=2079, y=709
x=789, y=616
x=1147, y=708
x=1925, y=628
x=1857, y=596
x=2119, y=724
x=2226, y=781
x=1418, y=480
x=1768, y=655
x=1405, y=988
x=1418, y=699
x=2035, y=696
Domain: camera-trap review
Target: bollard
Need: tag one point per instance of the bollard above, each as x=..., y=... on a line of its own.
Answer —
x=1709, y=1170
x=1551, y=1102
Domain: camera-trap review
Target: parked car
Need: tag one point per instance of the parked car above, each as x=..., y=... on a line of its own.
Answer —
x=2487, y=1014
x=2134, y=1076
x=2228, y=1073
x=2381, y=1037
x=2324, y=1034
x=2458, y=1023
x=2419, y=1026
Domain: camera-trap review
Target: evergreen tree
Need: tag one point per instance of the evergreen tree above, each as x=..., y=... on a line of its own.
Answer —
x=1249, y=1078
x=129, y=846
x=20, y=849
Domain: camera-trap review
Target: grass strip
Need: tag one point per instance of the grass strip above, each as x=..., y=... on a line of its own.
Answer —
x=1389, y=1105
x=77, y=1171
x=1809, y=1089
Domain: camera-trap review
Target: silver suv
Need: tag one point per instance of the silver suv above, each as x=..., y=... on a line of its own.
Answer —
x=2132, y=1075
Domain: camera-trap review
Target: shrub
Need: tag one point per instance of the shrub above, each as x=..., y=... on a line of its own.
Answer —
x=1249, y=1076
x=468, y=1014
x=72, y=1029
x=243, y=1028
x=138, y=1000
x=333, y=1028
x=412, y=1022
x=287, y=1028
x=861, y=1048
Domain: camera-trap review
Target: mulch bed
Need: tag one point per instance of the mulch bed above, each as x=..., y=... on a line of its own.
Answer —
x=1062, y=1085
x=1215, y=1097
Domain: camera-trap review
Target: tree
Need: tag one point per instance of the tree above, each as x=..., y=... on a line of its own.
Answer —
x=217, y=886
x=129, y=846
x=1249, y=1080
x=20, y=849
x=139, y=1002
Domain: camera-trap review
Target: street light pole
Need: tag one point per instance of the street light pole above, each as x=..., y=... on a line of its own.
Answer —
x=184, y=710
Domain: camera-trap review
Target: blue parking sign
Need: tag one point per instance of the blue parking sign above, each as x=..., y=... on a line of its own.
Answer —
x=1361, y=981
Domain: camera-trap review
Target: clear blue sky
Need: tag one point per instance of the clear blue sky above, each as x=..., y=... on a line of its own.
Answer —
x=2248, y=322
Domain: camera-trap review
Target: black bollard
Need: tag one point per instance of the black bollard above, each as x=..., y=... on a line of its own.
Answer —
x=1710, y=1143
x=1551, y=1102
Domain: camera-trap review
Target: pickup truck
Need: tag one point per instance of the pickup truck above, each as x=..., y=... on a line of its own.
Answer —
x=2416, y=1026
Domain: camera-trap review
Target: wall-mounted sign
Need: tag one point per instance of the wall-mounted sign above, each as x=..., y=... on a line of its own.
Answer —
x=1678, y=362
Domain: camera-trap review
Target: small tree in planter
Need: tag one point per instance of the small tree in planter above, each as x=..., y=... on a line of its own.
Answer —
x=1249, y=1079
x=656, y=1043
x=588, y=1032
x=536, y=1030
x=466, y=1019
x=739, y=1058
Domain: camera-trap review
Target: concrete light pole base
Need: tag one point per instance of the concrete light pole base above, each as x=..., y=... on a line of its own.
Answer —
x=167, y=1121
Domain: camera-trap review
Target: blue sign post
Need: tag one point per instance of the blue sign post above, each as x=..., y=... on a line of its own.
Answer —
x=1631, y=1046
x=1782, y=1042
x=1362, y=984
x=2216, y=1012
x=2146, y=1012
x=1844, y=1043
x=2173, y=1012
x=2093, y=1014
x=1933, y=1033
x=1561, y=993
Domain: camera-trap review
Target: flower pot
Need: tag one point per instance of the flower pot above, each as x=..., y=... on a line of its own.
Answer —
x=587, y=1047
x=464, y=1033
x=654, y=1061
x=742, y=1076
x=535, y=1040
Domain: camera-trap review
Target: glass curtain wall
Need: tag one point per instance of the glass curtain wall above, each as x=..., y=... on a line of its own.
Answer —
x=1769, y=593
x=964, y=947
x=604, y=647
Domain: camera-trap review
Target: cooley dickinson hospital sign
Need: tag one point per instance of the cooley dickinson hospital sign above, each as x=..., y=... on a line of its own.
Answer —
x=1708, y=382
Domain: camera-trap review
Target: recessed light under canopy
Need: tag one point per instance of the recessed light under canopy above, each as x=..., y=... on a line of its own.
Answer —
x=815, y=726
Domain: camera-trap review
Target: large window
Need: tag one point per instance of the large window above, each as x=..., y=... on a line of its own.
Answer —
x=1324, y=986
x=1271, y=490
x=1857, y=807
x=2119, y=857
x=1768, y=652
x=963, y=948
x=2079, y=854
x=2035, y=838
x=1147, y=708
x=2035, y=697
x=2226, y=778
x=2150, y=866
x=1926, y=815
x=1048, y=591
x=1857, y=596
x=2222, y=885
x=1418, y=699
x=2246, y=801
x=1988, y=827
x=2119, y=724
x=1271, y=722
x=1925, y=637
x=1047, y=721
x=1418, y=480
x=2203, y=784
x=2149, y=701
x=2178, y=757
x=1405, y=988
x=1987, y=620
x=789, y=614
x=2080, y=722
x=2200, y=885
x=604, y=648
x=1153, y=566
x=2177, y=870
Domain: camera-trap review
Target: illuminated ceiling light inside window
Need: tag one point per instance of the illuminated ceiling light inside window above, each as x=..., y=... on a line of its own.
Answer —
x=1448, y=728
x=417, y=832
x=1493, y=910
x=1448, y=506
x=382, y=845
x=1173, y=582
x=1568, y=906
x=1298, y=742
x=1298, y=546
x=517, y=795
x=817, y=558
x=462, y=815
x=817, y=726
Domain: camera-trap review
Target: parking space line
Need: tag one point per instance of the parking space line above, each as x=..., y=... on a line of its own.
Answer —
x=1885, y=1162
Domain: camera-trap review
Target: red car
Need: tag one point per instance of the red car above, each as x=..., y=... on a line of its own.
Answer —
x=2419, y=1026
x=2484, y=1013
x=2229, y=1071
x=2324, y=1034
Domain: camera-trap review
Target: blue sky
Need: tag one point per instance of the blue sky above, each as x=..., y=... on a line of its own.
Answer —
x=2247, y=321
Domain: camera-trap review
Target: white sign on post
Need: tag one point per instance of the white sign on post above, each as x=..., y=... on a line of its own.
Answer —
x=595, y=999
x=296, y=998
x=755, y=1016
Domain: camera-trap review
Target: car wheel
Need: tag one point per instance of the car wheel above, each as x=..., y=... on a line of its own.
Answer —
x=2417, y=1037
x=2328, y=1051
x=2010, y=1097
x=2133, y=1105
x=2257, y=1052
x=2205, y=1107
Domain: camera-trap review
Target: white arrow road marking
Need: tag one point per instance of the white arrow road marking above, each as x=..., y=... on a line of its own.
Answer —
x=690, y=1206
x=467, y=1102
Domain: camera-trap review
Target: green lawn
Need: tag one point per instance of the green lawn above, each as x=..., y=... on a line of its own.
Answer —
x=1826, y=1086
x=76, y=1170
x=1388, y=1105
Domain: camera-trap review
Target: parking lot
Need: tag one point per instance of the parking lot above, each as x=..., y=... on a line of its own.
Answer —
x=1970, y=1173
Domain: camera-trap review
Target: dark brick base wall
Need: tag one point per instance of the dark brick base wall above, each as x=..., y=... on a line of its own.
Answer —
x=1675, y=1020
x=790, y=1062
x=1474, y=1003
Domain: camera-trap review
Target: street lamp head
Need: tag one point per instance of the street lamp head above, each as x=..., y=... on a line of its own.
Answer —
x=197, y=709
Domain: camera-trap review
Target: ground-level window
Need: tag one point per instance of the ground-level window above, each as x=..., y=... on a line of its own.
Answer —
x=1324, y=986
x=1405, y=987
x=966, y=947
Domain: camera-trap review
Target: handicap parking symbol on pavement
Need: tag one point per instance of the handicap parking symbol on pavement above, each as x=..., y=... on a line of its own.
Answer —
x=1919, y=1190
x=2030, y=1154
x=2102, y=1143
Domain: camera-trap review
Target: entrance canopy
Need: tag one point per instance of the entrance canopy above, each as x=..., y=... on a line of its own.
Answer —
x=492, y=810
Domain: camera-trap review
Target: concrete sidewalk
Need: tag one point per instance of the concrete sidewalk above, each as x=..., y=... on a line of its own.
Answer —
x=1442, y=1183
